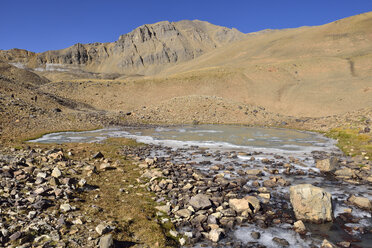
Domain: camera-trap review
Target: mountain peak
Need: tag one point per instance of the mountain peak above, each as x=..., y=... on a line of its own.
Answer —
x=145, y=50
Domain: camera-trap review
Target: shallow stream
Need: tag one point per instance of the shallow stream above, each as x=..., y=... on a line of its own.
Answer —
x=237, y=146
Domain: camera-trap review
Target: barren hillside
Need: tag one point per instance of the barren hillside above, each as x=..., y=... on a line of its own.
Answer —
x=303, y=72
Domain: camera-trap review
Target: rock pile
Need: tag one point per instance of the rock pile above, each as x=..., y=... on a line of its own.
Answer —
x=39, y=199
x=206, y=205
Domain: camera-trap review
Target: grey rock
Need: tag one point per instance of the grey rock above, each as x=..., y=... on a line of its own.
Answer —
x=327, y=165
x=106, y=241
x=15, y=236
x=185, y=213
x=164, y=208
x=200, y=201
x=344, y=173
x=311, y=203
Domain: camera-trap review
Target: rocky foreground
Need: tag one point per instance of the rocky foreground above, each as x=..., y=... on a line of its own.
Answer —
x=50, y=197
x=207, y=202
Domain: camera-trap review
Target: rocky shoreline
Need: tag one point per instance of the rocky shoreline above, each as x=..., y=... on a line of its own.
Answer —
x=55, y=196
x=204, y=198
x=207, y=206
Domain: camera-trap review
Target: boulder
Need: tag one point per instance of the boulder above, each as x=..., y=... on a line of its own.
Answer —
x=361, y=202
x=200, y=201
x=106, y=241
x=327, y=165
x=311, y=203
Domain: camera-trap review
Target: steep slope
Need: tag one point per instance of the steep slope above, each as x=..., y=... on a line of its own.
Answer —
x=26, y=108
x=145, y=50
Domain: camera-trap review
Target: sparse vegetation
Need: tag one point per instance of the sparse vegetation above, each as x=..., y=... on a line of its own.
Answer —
x=351, y=142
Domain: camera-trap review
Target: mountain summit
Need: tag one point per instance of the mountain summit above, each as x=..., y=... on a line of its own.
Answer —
x=145, y=50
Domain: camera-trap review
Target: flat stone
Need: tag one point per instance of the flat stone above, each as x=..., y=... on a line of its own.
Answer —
x=239, y=205
x=164, y=208
x=361, y=202
x=200, y=201
x=344, y=173
x=185, y=213
x=155, y=173
x=344, y=244
x=253, y=172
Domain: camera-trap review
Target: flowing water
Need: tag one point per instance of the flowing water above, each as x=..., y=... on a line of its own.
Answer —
x=235, y=146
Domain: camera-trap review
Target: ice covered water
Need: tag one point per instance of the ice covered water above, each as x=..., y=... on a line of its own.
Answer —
x=209, y=136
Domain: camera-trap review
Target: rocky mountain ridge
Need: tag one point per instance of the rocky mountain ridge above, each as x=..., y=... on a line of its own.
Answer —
x=145, y=50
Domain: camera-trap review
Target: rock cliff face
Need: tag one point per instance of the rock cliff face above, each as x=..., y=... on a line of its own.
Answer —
x=145, y=50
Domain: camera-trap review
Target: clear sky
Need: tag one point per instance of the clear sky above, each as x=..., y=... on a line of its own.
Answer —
x=40, y=25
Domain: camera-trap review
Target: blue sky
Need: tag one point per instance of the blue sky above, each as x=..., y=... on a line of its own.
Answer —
x=40, y=25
